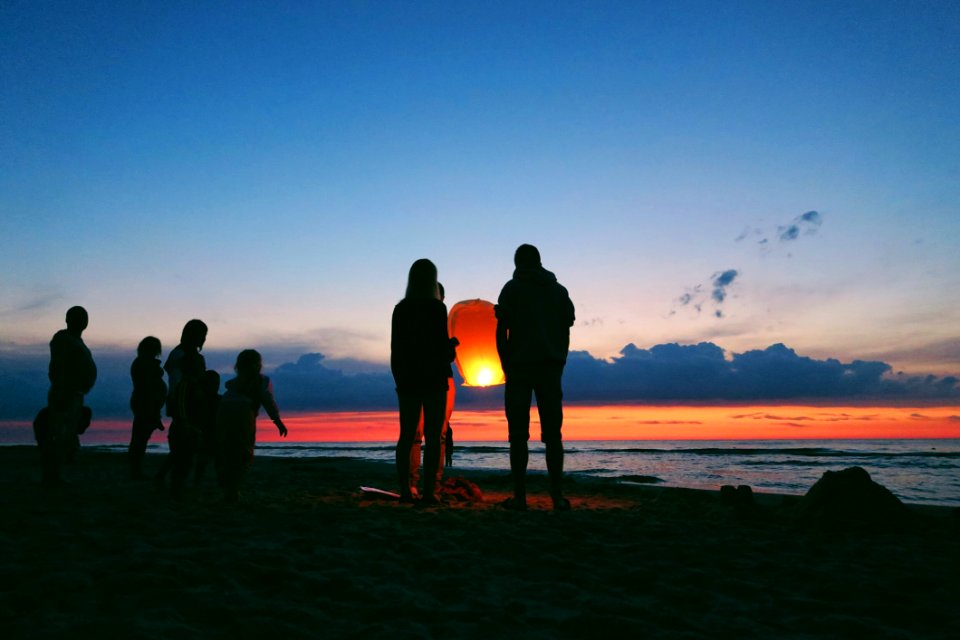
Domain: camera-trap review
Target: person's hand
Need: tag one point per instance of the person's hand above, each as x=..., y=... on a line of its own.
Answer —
x=281, y=428
x=454, y=342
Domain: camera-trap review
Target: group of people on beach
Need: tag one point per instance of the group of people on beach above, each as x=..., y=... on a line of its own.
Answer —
x=205, y=426
x=534, y=315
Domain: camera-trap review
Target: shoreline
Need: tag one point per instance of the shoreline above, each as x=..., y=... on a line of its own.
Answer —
x=305, y=554
x=382, y=475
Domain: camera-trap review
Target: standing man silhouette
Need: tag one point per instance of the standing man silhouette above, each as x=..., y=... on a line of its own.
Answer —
x=185, y=369
x=534, y=316
x=72, y=374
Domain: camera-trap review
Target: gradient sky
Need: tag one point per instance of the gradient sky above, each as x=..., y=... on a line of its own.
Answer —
x=274, y=168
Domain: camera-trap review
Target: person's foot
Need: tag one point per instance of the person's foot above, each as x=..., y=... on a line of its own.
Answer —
x=514, y=504
x=561, y=504
x=429, y=501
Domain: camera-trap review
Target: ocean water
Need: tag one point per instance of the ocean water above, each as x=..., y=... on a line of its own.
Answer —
x=916, y=471
x=920, y=471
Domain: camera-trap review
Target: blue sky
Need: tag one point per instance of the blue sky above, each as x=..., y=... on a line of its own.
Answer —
x=274, y=168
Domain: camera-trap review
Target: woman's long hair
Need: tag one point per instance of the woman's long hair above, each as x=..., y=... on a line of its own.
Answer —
x=422, y=281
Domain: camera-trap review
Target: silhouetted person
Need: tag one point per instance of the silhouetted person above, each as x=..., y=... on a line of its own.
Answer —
x=72, y=374
x=416, y=449
x=147, y=400
x=208, y=431
x=185, y=368
x=448, y=445
x=237, y=421
x=534, y=316
x=421, y=351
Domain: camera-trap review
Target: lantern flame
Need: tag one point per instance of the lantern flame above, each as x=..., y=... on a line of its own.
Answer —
x=474, y=324
x=485, y=377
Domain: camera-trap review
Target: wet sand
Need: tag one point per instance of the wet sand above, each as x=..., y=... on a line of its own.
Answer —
x=305, y=555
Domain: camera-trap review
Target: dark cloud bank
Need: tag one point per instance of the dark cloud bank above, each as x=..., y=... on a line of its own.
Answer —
x=665, y=372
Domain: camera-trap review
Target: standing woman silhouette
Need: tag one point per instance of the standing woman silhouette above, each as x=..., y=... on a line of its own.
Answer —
x=421, y=351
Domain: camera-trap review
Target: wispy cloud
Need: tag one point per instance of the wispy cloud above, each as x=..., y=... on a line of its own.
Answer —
x=722, y=280
x=696, y=297
x=34, y=303
x=805, y=224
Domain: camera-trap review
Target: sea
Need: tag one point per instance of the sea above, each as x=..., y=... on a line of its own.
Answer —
x=916, y=471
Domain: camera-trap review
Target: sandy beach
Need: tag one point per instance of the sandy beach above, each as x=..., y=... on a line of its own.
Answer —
x=307, y=555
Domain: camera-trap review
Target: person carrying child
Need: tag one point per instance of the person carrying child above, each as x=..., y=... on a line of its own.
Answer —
x=72, y=374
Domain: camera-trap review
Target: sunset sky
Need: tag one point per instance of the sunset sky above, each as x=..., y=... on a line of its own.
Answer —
x=742, y=174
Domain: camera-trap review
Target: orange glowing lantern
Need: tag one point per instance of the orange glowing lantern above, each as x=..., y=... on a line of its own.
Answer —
x=474, y=324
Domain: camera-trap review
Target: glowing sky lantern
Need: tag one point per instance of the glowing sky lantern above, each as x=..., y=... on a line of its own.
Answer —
x=474, y=324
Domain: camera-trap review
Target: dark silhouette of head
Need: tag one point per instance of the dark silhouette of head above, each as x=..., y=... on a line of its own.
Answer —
x=422, y=281
x=77, y=319
x=194, y=334
x=149, y=347
x=249, y=363
x=526, y=257
x=211, y=382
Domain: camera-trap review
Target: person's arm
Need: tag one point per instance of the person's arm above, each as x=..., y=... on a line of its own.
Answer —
x=571, y=314
x=395, y=345
x=503, y=348
x=270, y=406
x=441, y=349
x=502, y=311
x=452, y=343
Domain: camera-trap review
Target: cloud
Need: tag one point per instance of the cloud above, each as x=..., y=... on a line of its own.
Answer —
x=722, y=280
x=806, y=224
x=703, y=372
x=37, y=302
x=946, y=350
x=308, y=384
x=664, y=372
x=695, y=297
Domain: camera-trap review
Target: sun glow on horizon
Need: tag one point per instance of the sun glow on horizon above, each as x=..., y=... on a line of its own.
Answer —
x=624, y=422
x=609, y=422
